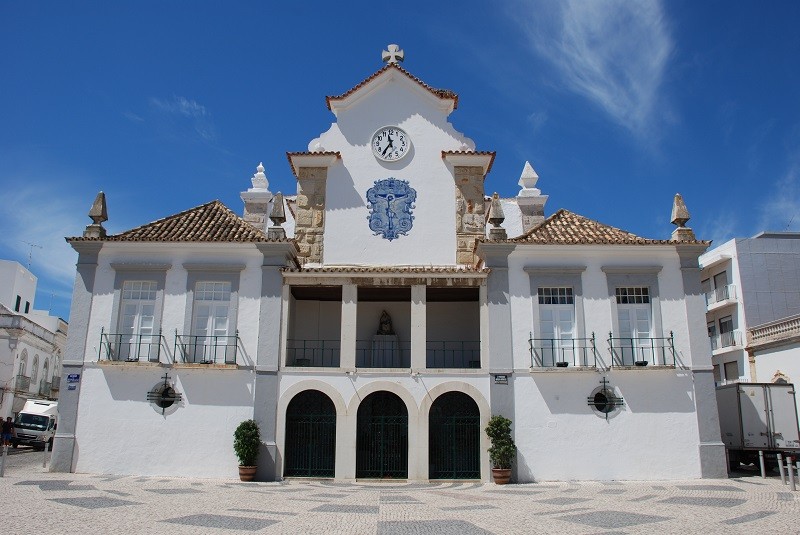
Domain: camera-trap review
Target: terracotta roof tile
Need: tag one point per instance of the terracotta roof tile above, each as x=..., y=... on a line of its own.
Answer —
x=441, y=93
x=210, y=222
x=568, y=228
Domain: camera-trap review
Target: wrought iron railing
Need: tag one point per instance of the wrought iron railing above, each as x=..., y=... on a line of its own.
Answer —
x=22, y=383
x=320, y=353
x=207, y=349
x=453, y=354
x=383, y=353
x=130, y=347
x=728, y=339
x=721, y=294
x=642, y=351
x=563, y=352
x=44, y=388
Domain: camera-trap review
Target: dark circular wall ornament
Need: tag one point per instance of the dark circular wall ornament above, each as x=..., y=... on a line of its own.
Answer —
x=603, y=400
x=163, y=395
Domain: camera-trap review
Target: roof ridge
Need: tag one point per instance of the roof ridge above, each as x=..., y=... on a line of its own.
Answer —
x=173, y=216
x=441, y=93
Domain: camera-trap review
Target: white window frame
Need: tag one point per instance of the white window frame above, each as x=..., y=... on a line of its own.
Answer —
x=137, y=336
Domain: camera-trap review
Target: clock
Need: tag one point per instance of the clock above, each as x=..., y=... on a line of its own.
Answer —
x=390, y=143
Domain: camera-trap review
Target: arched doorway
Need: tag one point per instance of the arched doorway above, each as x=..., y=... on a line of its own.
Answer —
x=454, y=438
x=310, y=449
x=382, y=437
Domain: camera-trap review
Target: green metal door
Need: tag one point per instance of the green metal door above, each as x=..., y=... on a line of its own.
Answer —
x=310, y=435
x=454, y=438
x=382, y=437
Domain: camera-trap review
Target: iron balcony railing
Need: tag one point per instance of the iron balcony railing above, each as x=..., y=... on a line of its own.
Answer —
x=563, y=352
x=641, y=351
x=383, y=353
x=319, y=353
x=207, y=349
x=130, y=347
x=453, y=354
x=44, y=388
x=23, y=383
x=728, y=339
x=721, y=294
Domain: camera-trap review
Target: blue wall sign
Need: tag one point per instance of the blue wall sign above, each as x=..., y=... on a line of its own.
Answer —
x=73, y=377
x=390, y=202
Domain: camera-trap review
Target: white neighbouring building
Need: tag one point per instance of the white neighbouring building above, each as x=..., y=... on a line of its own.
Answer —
x=373, y=322
x=31, y=342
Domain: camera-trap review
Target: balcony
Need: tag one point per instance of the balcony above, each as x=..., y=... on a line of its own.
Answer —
x=22, y=384
x=453, y=354
x=724, y=342
x=207, y=349
x=44, y=388
x=719, y=297
x=562, y=353
x=130, y=347
x=642, y=351
x=383, y=352
x=317, y=353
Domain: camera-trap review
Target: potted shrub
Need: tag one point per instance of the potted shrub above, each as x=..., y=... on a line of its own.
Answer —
x=246, y=442
x=503, y=448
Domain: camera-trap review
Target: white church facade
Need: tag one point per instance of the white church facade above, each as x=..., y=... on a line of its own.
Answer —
x=372, y=322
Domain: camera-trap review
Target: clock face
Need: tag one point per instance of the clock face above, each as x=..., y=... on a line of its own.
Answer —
x=390, y=143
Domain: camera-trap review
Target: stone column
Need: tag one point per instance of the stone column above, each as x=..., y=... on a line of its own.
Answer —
x=419, y=332
x=470, y=210
x=310, y=222
x=347, y=353
x=74, y=352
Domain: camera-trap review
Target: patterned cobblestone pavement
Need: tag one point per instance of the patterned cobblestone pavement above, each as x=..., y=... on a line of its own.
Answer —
x=36, y=501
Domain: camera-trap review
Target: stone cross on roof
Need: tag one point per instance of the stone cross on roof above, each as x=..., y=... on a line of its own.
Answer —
x=393, y=54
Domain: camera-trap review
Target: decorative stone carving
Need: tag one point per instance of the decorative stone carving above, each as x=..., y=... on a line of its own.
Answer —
x=680, y=216
x=97, y=213
x=310, y=217
x=470, y=211
x=385, y=326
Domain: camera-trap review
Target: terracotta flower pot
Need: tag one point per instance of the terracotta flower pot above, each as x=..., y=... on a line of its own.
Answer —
x=247, y=473
x=501, y=476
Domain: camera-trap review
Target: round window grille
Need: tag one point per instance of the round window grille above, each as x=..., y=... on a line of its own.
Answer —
x=603, y=400
x=163, y=395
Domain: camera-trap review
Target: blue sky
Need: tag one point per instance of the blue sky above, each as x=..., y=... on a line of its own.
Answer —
x=618, y=105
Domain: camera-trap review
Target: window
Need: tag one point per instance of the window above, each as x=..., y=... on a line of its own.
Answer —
x=634, y=317
x=705, y=285
x=45, y=370
x=23, y=363
x=137, y=320
x=721, y=280
x=27, y=307
x=731, y=371
x=726, y=324
x=557, y=325
x=717, y=376
x=17, y=304
x=210, y=323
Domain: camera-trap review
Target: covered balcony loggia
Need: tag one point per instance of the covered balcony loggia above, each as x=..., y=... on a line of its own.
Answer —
x=383, y=327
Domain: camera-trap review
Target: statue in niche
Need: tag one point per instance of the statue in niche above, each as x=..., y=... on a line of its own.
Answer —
x=385, y=326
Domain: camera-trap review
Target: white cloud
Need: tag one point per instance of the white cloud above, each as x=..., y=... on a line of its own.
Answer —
x=781, y=210
x=187, y=109
x=613, y=52
x=31, y=214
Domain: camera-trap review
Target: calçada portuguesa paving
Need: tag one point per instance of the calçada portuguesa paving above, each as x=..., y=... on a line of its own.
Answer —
x=36, y=501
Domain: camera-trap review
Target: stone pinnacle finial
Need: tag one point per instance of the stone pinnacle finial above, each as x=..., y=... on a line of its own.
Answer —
x=496, y=218
x=97, y=213
x=392, y=55
x=680, y=215
x=528, y=178
x=278, y=217
x=259, y=179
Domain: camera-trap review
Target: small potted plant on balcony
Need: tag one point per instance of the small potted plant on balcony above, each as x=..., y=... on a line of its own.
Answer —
x=503, y=448
x=246, y=442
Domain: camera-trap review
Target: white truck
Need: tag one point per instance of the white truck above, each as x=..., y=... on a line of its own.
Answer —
x=757, y=417
x=35, y=424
